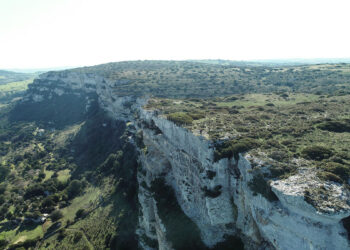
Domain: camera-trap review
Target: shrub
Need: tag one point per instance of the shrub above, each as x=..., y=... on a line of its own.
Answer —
x=56, y=215
x=35, y=190
x=61, y=234
x=77, y=236
x=197, y=115
x=47, y=202
x=41, y=175
x=328, y=176
x=3, y=243
x=281, y=170
x=232, y=148
x=3, y=188
x=4, y=171
x=342, y=171
x=180, y=118
x=316, y=153
x=335, y=126
x=74, y=188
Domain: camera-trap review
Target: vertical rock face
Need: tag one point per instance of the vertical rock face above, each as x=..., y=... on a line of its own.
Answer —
x=216, y=196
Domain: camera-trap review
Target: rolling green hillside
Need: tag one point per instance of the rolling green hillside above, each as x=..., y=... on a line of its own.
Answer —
x=185, y=79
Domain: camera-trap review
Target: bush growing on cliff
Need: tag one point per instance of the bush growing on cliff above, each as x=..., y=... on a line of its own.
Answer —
x=180, y=118
x=232, y=148
x=196, y=115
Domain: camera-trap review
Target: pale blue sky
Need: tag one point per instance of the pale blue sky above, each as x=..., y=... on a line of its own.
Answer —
x=53, y=33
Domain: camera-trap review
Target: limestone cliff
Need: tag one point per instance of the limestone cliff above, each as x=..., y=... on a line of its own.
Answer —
x=216, y=196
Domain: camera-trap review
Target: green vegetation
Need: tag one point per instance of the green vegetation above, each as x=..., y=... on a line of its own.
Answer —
x=336, y=126
x=333, y=171
x=9, y=76
x=180, y=118
x=54, y=195
x=232, y=148
x=68, y=175
x=13, y=85
x=185, y=79
x=285, y=131
x=316, y=152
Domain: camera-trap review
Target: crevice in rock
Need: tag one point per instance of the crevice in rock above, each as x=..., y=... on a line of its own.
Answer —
x=346, y=224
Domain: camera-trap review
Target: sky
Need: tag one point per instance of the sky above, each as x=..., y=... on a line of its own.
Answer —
x=59, y=33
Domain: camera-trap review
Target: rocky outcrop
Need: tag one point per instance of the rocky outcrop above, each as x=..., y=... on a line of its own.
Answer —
x=216, y=196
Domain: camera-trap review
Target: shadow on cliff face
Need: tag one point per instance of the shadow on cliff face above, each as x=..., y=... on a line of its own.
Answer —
x=96, y=140
x=57, y=112
x=100, y=150
x=181, y=231
x=346, y=224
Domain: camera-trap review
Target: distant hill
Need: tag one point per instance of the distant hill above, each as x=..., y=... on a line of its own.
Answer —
x=9, y=76
x=192, y=79
x=276, y=62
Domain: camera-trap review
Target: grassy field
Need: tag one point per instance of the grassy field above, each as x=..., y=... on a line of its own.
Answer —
x=20, y=233
x=15, y=86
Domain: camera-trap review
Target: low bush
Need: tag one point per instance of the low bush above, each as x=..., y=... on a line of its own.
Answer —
x=196, y=115
x=232, y=148
x=316, y=153
x=328, y=176
x=56, y=215
x=77, y=236
x=335, y=126
x=4, y=171
x=74, y=188
x=180, y=118
x=342, y=171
